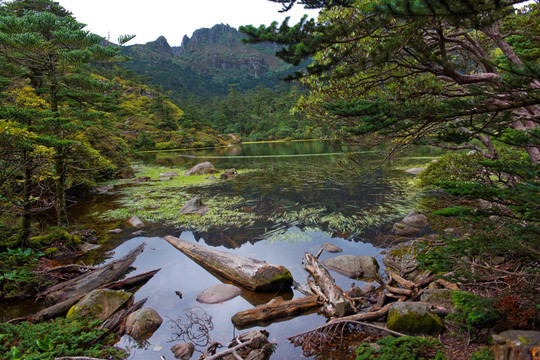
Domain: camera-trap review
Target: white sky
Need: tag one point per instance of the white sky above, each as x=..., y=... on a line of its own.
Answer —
x=149, y=19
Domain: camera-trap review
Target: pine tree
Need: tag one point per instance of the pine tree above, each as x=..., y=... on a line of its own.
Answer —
x=52, y=53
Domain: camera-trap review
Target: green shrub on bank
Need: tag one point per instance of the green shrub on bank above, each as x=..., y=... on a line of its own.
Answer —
x=59, y=338
x=17, y=275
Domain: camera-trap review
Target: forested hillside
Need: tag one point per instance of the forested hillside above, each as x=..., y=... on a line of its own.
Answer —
x=220, y=81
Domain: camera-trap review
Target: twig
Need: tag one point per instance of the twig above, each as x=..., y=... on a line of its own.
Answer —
x=232, y=350
x=503, y=271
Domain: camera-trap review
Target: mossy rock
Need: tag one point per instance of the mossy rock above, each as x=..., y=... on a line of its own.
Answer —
x=99, y=304
x=438, y=297
x=402, y=259
x=413, y=318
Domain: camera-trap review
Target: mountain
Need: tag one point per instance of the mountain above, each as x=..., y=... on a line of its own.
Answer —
x=207, y=64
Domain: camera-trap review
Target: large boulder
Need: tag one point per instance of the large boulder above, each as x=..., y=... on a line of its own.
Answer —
x=413, y=318
x=353, y=266
x=438, y=297
x=218, y=293
x=402, y=259
x=99, y=304
x=202, y=169
x=194, y=206
x=411, y=225
x=142, y=323
x=517, y=344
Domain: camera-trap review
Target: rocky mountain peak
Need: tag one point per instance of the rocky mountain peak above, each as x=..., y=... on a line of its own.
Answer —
x=160, y=45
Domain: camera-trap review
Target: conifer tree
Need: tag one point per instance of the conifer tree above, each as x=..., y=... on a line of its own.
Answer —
x=52, y=53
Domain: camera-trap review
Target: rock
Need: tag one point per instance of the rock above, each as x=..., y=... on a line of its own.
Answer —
x=438, y=297
x=86, y=246
x=141, y=324
x=415, y=219
x=517, y=344
x=202, y=169
x=102, y=189
x=415, y=171
x=194, y=206
x=115, y=231
x=411, y=225
x=255, y=350
x=183, y=351
x=331, y=248
x=401, y=258
x=100, y=304
x=229, y=174
x=136, y=222
x=413, y=318
x=218, y=293
x=137, y=233
x=353, y=266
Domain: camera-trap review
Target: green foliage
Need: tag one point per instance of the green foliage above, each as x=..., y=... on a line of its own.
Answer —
x=472, y=313
x=401, y=348
x=17, y=272
x=59, y=338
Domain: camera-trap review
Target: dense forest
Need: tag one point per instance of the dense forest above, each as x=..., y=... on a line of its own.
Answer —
x=389, y=75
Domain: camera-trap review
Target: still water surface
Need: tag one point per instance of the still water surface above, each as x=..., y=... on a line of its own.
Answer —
x=277, y=178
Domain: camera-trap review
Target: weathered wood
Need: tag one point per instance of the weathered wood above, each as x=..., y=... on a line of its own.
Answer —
x=365, y=316
x=275, y=309
x=85, y=283
x=337, y=305
x=62, y=307
x=131, y=282
x=253, y=274
x=116, y=323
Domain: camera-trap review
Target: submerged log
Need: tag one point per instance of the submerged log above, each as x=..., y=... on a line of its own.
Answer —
x=274, y=310
x=338, y=304
x=82, y=285
x=253, y=274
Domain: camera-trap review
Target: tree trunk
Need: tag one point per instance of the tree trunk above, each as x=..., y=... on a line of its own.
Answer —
x=274, y=310
x=338, y=305
x=60, y=182
x=253, y=274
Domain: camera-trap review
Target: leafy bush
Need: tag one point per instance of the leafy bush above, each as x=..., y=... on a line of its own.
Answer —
x=401, y=348
x=473, y=313
x=60, y=338
x=17, y=276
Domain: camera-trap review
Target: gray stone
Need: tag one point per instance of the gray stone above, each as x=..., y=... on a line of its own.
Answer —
x=331, y=248
x=353, y=266
x=517, y=344
x=218, y=293
x=413, y=318
x=100, y=304
x=202, y=169
x=438, y=297
x=183, y=351
x=401, y=259
x=115, y=231
x=194, y=206
x=141, y=324
x=169, y=174
x=415, y=219
x=136, y=222
x=415, y=171
x=401, y=229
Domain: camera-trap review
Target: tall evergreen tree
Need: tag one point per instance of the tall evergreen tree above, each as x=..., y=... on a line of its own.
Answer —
x=52, y=53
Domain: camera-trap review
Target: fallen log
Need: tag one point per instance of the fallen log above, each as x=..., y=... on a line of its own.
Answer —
x=275, y=309
x=338, y=304
x=365, y=316
x=85, y=283
x=253, y=274
x=131, y=282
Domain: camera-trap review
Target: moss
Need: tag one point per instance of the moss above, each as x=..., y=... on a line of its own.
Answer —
x=56, y=235
x=411, y=322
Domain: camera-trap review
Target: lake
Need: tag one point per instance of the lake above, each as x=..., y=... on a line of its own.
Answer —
x=288, y=199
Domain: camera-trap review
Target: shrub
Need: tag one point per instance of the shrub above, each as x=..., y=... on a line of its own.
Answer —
x=401, y=348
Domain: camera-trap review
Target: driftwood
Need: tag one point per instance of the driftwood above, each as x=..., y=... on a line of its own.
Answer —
x=85, y=283
x=131, y=282
x=338, y=304
x=116, y=323
x=365, y=316
x=250, y=273
x=275, y=309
